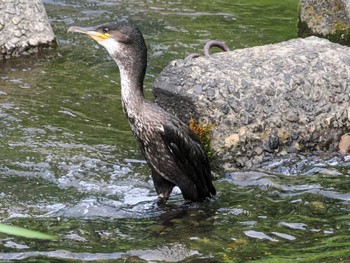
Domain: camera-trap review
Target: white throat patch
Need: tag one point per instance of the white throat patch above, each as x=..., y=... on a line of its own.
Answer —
x=111, y=45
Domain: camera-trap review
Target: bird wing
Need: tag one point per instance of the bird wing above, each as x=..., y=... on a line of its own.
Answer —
x=189, y=155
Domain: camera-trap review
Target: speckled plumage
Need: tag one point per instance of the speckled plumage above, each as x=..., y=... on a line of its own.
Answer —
x=173, y=152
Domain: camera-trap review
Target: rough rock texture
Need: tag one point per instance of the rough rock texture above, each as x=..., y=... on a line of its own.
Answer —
x=328, y=18
x=289, y=97
x=24, y=27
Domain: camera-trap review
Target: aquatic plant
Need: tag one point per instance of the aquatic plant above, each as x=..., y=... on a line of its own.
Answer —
x=203, y=130
x=23, y=232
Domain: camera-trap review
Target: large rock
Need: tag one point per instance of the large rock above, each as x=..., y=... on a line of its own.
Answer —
x=24, y=27
x=326, y=18
x=281, y=98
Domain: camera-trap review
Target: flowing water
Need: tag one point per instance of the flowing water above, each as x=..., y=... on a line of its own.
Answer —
x=71, y=168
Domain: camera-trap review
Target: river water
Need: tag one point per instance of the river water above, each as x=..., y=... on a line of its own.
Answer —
x=71, y=168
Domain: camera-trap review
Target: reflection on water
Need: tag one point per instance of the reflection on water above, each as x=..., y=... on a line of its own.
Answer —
x=70, y=167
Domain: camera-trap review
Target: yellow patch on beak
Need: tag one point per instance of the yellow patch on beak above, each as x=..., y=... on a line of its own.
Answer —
x=98, y=36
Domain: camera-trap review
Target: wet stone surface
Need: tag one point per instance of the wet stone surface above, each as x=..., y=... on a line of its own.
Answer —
x=290, y=97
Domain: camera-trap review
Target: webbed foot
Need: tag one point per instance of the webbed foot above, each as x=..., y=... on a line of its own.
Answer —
x=161, y=201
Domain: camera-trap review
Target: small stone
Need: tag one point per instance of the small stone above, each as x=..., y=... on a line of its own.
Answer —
x=297, y=146
x=225, y=109
x=246, y=118
x=299, y=69
x=234, y=104
x=292, y=117
x=344, y=144
x=287, y=78
x=211, y=93
x=244, y=83
x=16, y=20
x=274, y=142
x=295, y=135
x=231, y=140
x=270, y=92
x=241, y=161
x=258, y=150
x=33, y=42
x=198, y=89
x=17, y=33
x=250, y=105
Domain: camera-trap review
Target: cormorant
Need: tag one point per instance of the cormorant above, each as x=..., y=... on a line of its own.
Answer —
x=172, y=150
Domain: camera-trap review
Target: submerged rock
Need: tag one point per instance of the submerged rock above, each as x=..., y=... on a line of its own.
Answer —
x=282, y=98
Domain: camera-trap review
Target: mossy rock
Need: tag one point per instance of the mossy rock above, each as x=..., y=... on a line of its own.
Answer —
x=327, y=19
x=340, y=36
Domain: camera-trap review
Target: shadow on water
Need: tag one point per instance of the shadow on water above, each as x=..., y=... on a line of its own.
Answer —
x=70, y=166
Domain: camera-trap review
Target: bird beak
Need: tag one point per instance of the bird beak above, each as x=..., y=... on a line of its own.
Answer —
x=90, y=31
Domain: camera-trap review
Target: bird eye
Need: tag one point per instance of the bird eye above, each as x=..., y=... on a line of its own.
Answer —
x=105, y=30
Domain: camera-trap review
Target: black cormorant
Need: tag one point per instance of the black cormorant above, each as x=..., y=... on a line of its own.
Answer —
x=172, y=150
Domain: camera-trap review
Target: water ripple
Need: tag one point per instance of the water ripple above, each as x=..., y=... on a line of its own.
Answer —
x=170, y=253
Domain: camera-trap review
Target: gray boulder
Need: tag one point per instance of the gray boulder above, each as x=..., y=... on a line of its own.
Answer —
x=24, y=27
x=290, y=97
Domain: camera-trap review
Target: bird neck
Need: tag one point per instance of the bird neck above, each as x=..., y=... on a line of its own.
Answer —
x=132, y=67
x=131, y=88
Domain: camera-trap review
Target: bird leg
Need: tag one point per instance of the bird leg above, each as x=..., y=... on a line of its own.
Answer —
x=161, y=200
x=162, y=186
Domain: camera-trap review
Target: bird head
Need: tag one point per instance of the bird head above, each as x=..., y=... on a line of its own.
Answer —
x=123, y=41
